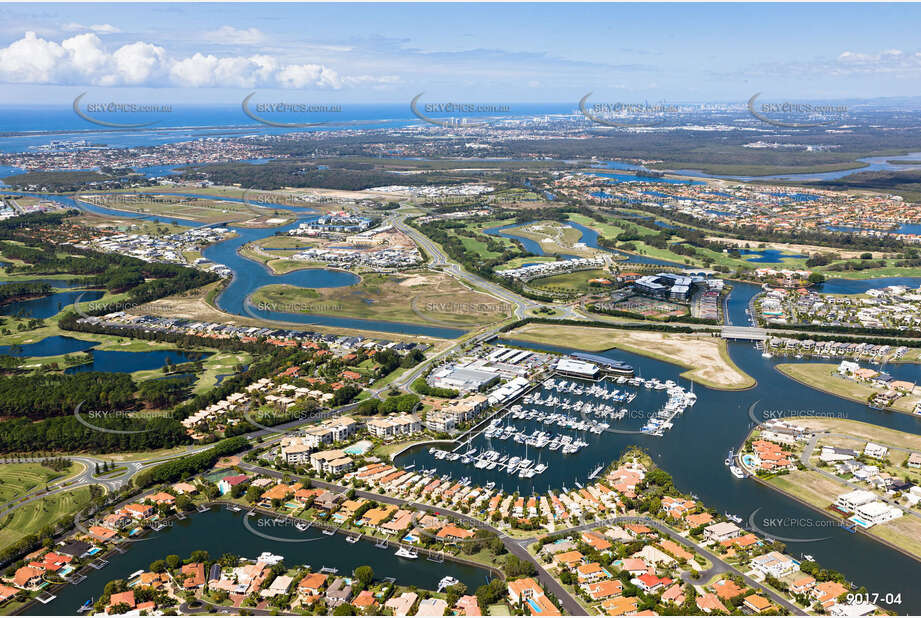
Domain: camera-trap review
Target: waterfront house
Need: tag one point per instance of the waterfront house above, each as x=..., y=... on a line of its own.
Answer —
x=7, y=593
x=226, y=484
x=849, y=502
x=194, y=575
x=467, y=605
x=452, y=534
x=432, y=607
x=827, y=593
x=774, y=564
x=184, y=488
x=138, y=511
x=914, y=461
x=27, y=577
x=279, y=585
x=876, y=451
x=722, y=531
x=366, y=602
x=402, y=604
x=698, y=519
x=327, y=501
x=74, y=549
x=121, y=598
x=338, y=593
x=526, y=591
x=803, y=584
x=102, y=534
x=312, y=584
x=873, y=513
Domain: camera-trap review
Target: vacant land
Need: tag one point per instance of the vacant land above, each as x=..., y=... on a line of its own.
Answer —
x=824, y=377
x=200, y=209
x=574, y=282
x=705, y=357
x=861, y=431
x=196, y=305
x=420, y=297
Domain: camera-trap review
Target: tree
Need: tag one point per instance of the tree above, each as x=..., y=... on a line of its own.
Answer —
x=365, y=575
x=345, y=609
x=173, y=561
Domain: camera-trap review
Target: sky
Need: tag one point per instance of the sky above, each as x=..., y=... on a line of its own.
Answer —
x=388, y=53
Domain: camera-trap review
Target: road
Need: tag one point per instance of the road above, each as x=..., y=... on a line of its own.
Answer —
x=806, y=456
x=514, y=546
x=719, y=565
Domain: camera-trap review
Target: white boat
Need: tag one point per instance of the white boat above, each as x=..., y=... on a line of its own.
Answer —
x=737, y=472
x=406, y=553
x=446, y=582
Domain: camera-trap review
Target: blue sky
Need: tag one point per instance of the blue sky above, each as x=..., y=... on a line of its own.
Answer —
x=376, y=53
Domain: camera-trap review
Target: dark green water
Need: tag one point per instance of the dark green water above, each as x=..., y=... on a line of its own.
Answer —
x=221, y=531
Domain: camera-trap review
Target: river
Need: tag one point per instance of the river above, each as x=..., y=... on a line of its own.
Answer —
x=220, y=531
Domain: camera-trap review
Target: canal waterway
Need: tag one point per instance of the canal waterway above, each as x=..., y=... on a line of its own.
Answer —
x=250, y=275
x=220, y=531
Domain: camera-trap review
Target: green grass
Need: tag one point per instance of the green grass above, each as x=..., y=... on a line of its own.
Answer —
x=31, y=518
x=577, y=281
x=17, y=479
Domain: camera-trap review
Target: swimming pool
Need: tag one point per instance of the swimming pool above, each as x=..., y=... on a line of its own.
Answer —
x=94, y=551
x=749, y=460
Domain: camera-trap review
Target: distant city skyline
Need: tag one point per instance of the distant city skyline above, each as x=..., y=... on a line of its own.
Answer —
x=388, y=53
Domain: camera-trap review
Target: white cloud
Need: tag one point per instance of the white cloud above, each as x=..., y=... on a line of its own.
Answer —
x=83, y=59
x=234, y=36
x=98, y=28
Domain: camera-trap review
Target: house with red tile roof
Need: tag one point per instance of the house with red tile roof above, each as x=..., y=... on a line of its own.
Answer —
x=121, y=598
x=600, y=591
x=7, y=593
x=195, y=575
x=27, y=577
x=756, y=603
x=709, y=603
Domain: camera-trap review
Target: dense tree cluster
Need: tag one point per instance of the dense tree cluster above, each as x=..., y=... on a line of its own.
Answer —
x=192, y=464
